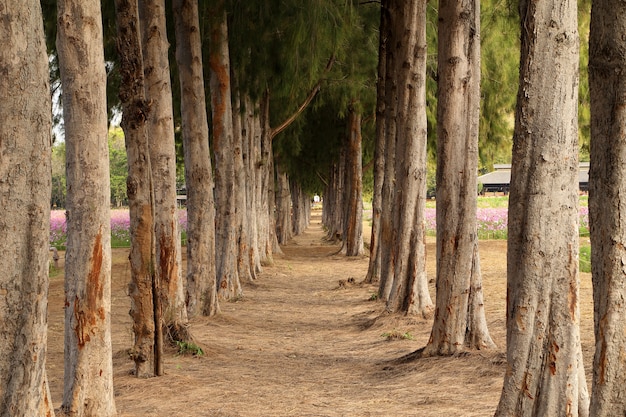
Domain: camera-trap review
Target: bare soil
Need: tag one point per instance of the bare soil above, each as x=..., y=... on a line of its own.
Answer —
x=308, y=340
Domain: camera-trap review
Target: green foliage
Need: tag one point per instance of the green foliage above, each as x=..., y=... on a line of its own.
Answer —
x=397, y=335
x=118, y=165
x=189, y=348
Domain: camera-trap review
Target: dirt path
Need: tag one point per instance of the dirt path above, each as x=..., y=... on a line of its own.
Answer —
x=301, y=344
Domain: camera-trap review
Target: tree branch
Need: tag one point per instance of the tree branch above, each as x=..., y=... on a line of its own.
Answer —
x=284, y=125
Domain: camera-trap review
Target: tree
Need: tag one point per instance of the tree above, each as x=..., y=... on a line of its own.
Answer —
x=88, y=388
x=353, y=199
x=545, y=374
x=201, y=292
x=404, y=285
x=459, y=320
x=226, y=249
x=141, y=200
x=160, y=126
x=374, y=267
x=607, y=181
x=25, y=187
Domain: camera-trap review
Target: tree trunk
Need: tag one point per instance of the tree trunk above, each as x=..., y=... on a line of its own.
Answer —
x=201, y=292
x=252, y=149
x=264, y=173
x=139, y=185
x=374, y=268
x=545, y=374
x=25, y=189
x=168, y=282
x=607, y=183
x=244, y=268
x=284, y=227
x=353, y=190
x=458, y=324
x=409, y=290
x=334, y=199
x=229, y=286
x=88, y=380
x=300, y=207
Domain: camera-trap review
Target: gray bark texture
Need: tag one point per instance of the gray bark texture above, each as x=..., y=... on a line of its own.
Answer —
x=545, y=375
x=374, y=268
x=458, y=323
x=229, y=286
x=25, y=187
x=607, y=184
x=406, y=256
x=88, y=379
x=139, y=185
x=168, y=282
x=201, y=291
x=353, y=189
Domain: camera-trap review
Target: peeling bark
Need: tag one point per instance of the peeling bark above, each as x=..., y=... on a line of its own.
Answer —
x=88, y=380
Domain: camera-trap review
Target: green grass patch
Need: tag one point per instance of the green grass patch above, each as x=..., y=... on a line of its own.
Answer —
x=584, y=258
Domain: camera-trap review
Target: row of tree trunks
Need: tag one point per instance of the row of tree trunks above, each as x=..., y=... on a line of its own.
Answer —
x=284, y=227
x=25, y=184
x=353, y=189
x=139, y=185
x=88, y=372
x=545, y=374
x=459, y=320
x=300, y=208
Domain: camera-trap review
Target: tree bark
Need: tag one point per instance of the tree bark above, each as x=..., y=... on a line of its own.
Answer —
x=353, y=190
x=301, y=208
x=374, y=267
x=168, y=282
x=139, y=185
x=284, y=227
x=25, y=189
x=458, y=324
x=545, y=374
x=88, y=380
x=407, y=252
x=607, y=183
x=229, y=286
x=201, y=292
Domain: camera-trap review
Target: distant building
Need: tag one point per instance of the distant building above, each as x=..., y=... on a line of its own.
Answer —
x=499, y=180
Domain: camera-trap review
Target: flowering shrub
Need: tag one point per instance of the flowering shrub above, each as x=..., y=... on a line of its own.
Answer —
x=120, y=227
x=492, y=223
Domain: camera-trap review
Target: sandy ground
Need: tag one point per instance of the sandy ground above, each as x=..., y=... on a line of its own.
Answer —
x=301, y=344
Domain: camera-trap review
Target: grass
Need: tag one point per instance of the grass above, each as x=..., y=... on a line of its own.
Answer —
x=584, y=258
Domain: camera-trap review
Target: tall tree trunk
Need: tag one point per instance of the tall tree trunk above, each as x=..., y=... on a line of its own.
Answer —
x=201, y=292
x=284, y=227
x=334, y=199
x=353, y=189
x=264, y=173
x=545, y=374
x=374, y=268
x=169, y=285
x=88, y=381
x=607, y=183
x=458, y=324
x=390, y=108
x=139, y=185
x=301, y=208
x=252, y=149
x=409, y=291
x=229, y=286
x=244, y=268
x=25, y=189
